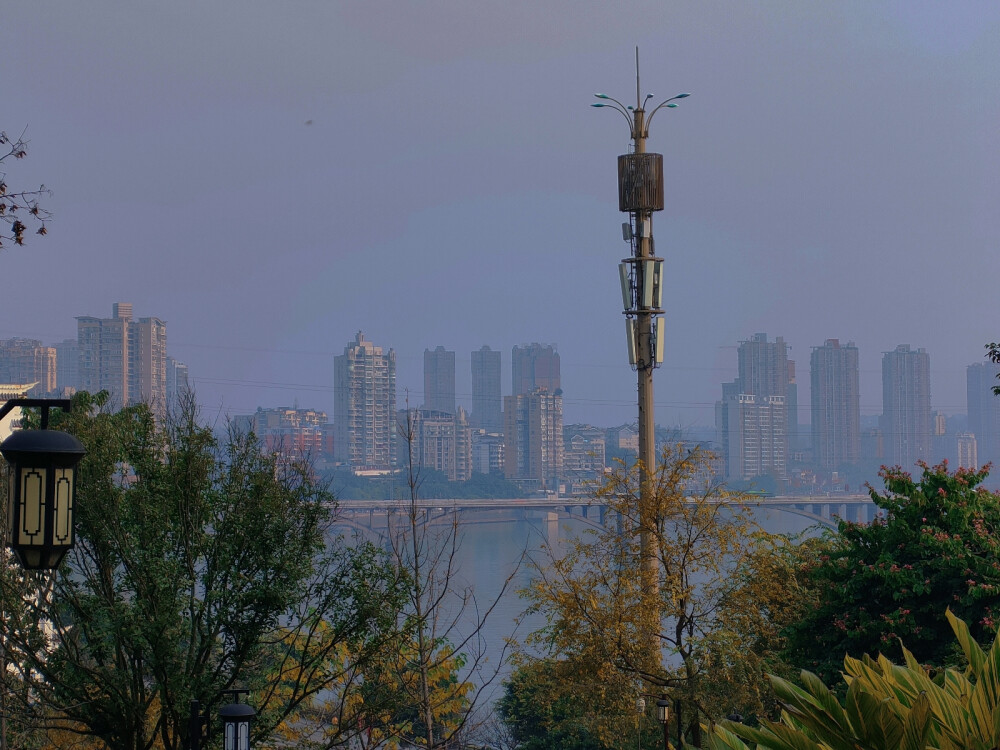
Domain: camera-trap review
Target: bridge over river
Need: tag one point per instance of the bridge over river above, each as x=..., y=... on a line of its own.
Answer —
x=375, y=515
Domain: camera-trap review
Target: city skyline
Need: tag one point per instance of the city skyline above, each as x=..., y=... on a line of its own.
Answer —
x=321, y=397
x=240, y=172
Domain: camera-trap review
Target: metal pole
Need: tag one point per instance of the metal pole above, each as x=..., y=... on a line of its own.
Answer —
x=649, y=575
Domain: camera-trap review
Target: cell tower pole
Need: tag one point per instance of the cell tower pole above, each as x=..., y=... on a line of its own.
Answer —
x=640, y=192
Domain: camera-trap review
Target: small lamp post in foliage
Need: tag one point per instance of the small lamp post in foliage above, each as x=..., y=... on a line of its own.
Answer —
x=663, y=716
x=236, y=719
x=42, y=488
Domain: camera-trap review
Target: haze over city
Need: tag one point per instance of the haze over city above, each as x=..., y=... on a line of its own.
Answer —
x=271, y=179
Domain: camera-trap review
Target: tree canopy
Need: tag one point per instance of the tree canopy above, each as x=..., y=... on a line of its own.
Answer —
x=725, y=591
x=933, y=545
x=199, y=566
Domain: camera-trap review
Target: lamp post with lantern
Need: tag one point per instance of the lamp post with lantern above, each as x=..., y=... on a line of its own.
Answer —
x=42, y=487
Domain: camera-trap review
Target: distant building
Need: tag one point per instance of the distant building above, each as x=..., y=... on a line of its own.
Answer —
x=439, y=380
x=487, y=404
x=298, y=434
x=487, y=452
x=984, y=411
x=126, y=357
x=533, y=367
x=438, y=440
x=533, y=439
x=67, y=365
x=836, y=405
x=177, y=382
x=755, y=440
x=623, y=438
x=752, y=420
x=968, y=457
x=364, y=407
x=583, y=458
x=906, y=406
x=27, y=361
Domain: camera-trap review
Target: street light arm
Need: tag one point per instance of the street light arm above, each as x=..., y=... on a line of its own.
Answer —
x=622, y=112
x=664, y=103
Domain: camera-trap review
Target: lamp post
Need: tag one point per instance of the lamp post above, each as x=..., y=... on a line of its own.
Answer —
x=640, y=193
x=236, y=719
x=663, y=716
x=42, y=487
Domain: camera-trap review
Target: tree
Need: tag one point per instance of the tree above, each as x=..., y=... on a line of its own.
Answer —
x=726, y=589
x=199, y=566
x=421, y=694
x=886, y=706
x=934, y=545
x=19, y=206
x=993, y=354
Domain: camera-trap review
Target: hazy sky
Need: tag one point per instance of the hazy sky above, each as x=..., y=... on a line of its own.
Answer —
x=272, y=177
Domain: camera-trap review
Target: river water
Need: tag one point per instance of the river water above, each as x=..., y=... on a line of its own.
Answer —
x=493, y=549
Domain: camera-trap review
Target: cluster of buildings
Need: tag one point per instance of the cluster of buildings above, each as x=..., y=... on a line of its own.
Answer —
x=757, y=419
x=122, y=355
x=520, y=435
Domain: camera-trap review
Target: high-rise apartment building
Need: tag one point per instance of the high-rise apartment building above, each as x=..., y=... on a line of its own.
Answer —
x=438, y=440
x=439, y=380
x=67, y=365
x=26, y=361
x=126, y=357
x=836, y=405
x=487, y=405
x=534, y=366
x=177, y=382
x=968, y=455
x=533, y=439
x=984, y=411
x=906, y=406
x=364, y=407
x=752, y=418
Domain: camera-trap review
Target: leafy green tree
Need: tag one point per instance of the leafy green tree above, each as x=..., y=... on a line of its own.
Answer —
x=886, y=707
x=199, y=566
x=993, y=354
x=726, y=590
x=934, y=545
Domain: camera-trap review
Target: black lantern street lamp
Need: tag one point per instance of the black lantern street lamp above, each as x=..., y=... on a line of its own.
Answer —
x=42, y=488
x=236, y=718
x=663, y=716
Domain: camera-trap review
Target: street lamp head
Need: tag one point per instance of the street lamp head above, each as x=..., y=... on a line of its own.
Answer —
x=42, y=495
x=682, y=96
x=672, y=105
x=236, y=720
x=602, y=96
x=663, y=710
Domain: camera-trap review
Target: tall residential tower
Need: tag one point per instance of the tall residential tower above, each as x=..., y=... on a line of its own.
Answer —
x=487, y=412
x=836, y=405
x=906, y=406
x=439, y=380
x=364, y=406
x=126, y=357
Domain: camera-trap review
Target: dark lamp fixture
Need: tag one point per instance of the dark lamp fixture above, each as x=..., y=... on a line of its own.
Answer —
x=42, y=488
x=663, y=710
x=236, y=720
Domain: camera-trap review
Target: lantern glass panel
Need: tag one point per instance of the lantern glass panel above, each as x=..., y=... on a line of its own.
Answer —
x=31, y=506
x=62, y=531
